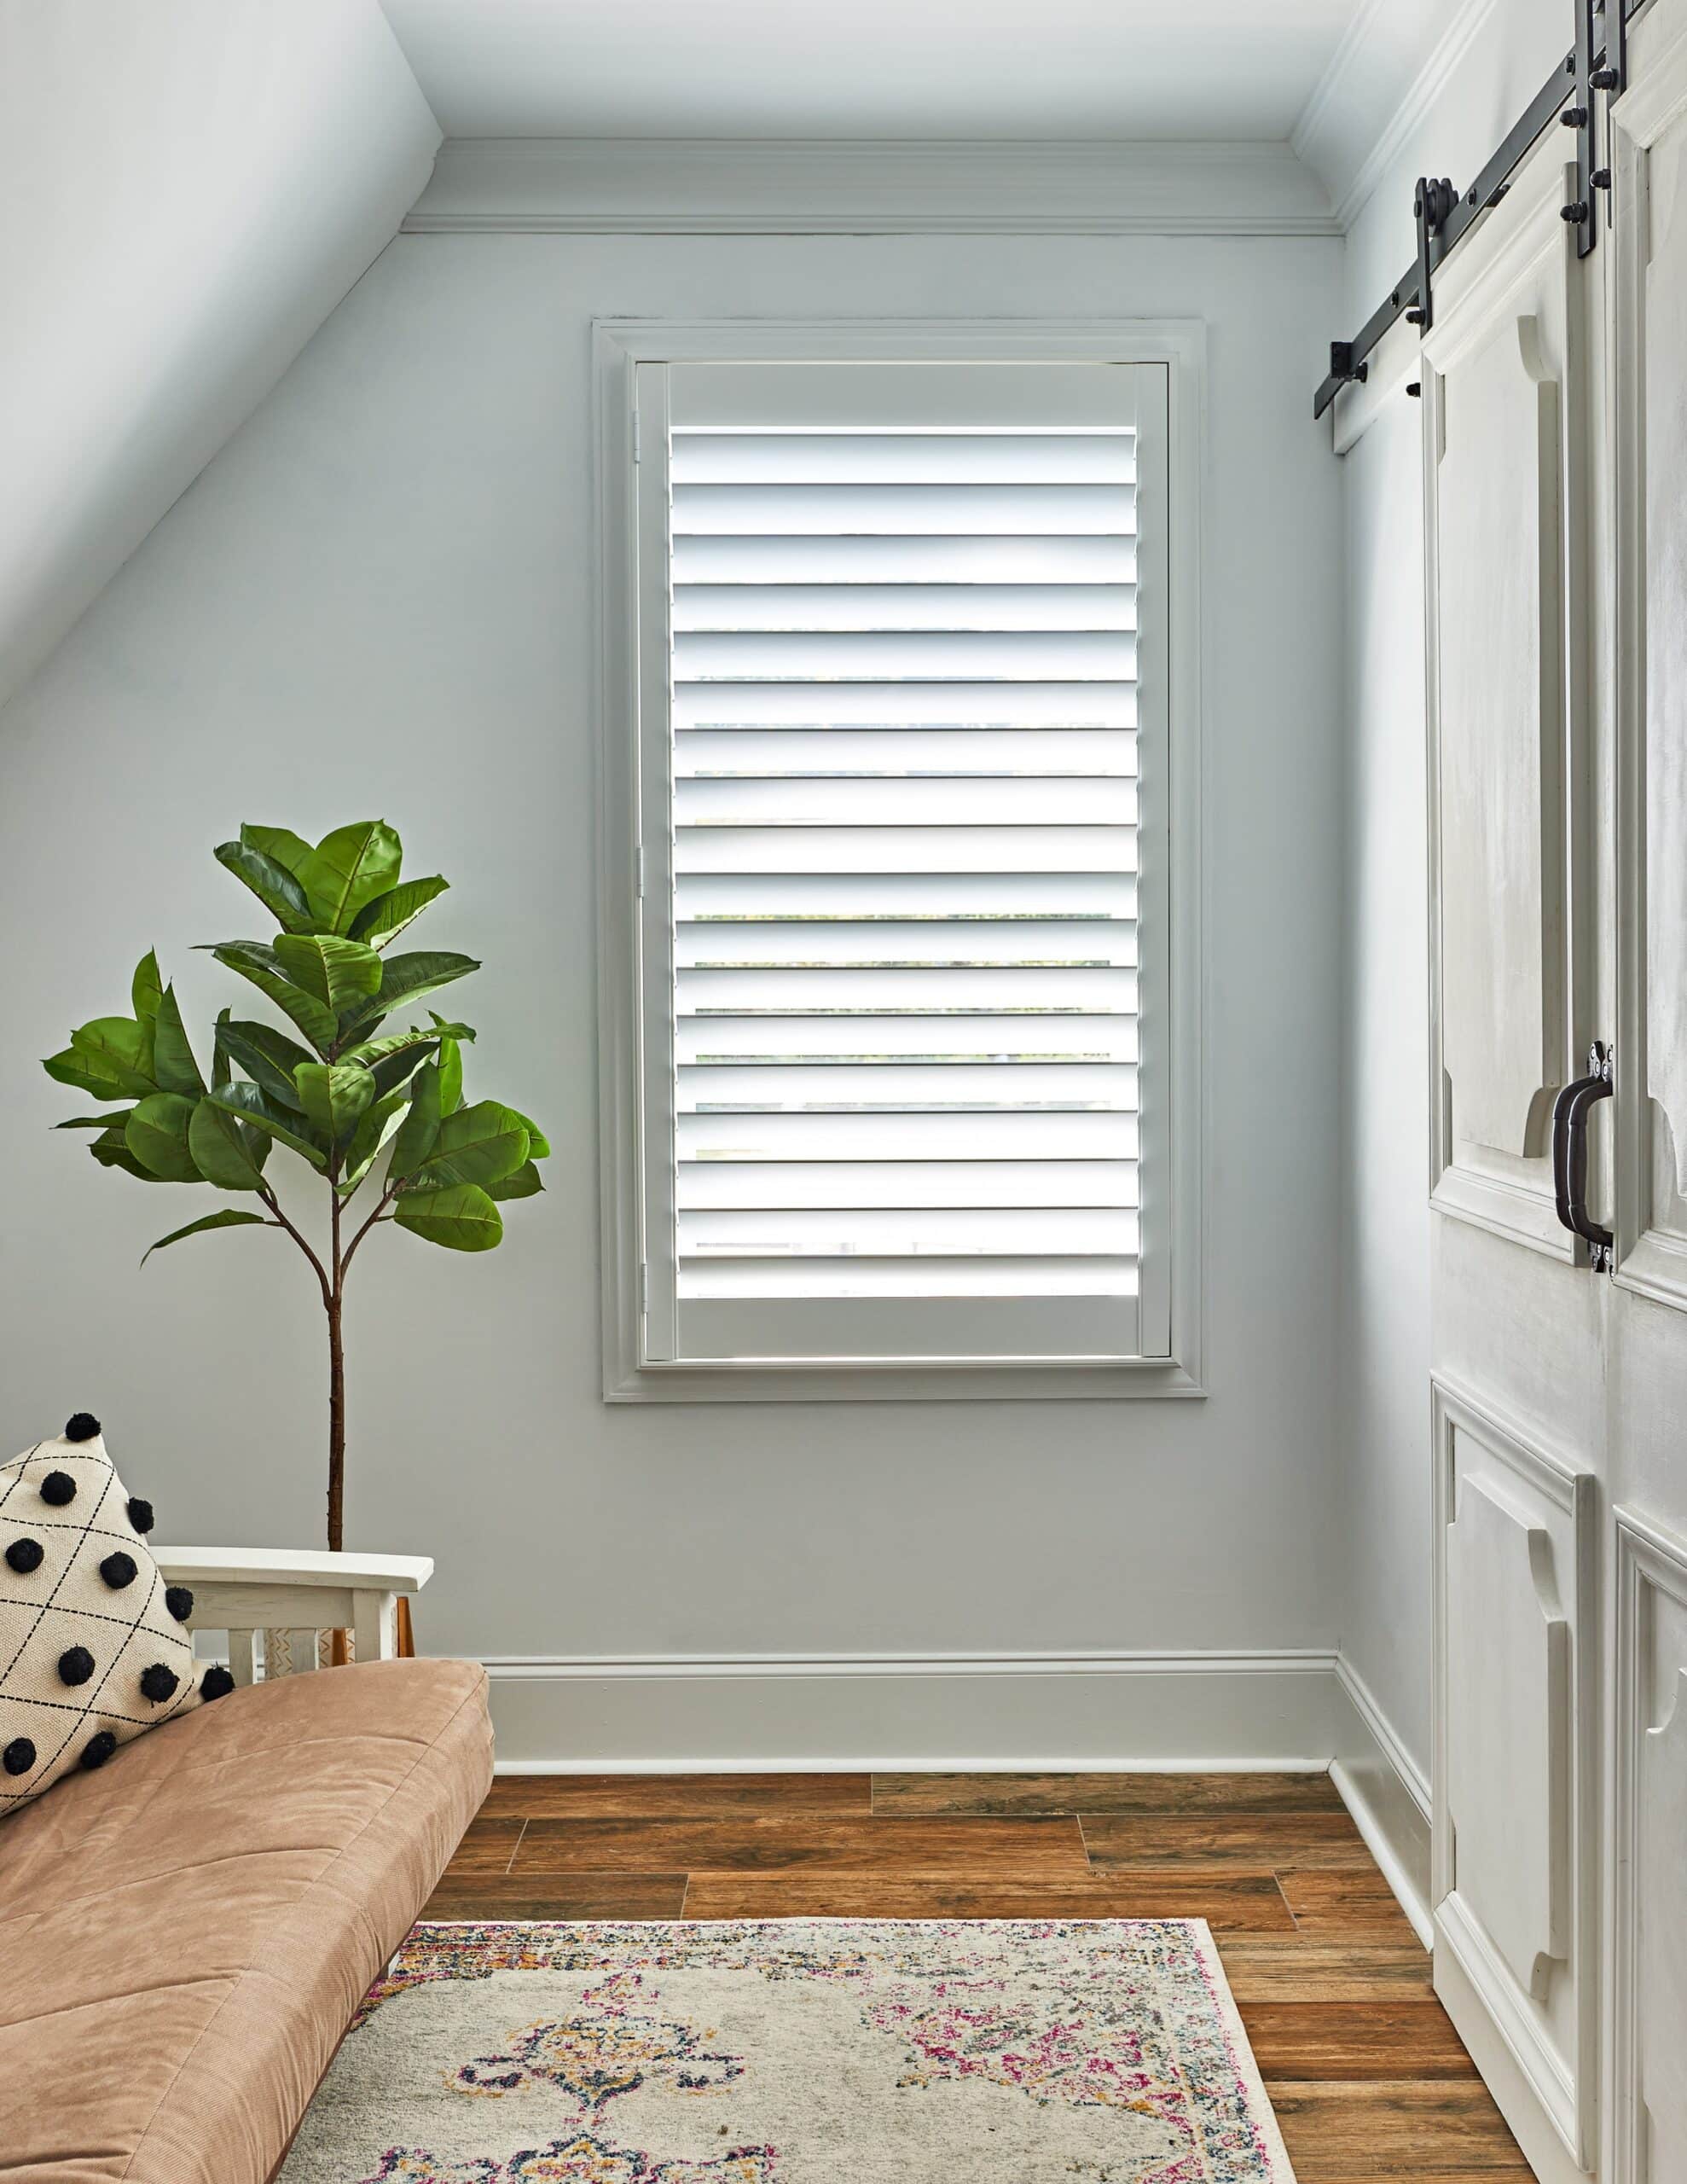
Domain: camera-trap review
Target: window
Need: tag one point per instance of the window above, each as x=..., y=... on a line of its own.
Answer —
x=900, y=685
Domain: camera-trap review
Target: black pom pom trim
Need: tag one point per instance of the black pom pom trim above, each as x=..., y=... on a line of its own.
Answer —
x=18, y=1756
x=98, y=1750
x=82, y=1427
x=218, y=1684
x=179, y=1600
x=119, y=1569
x=159, y=1683
x=24, y=1555
x=75, y=1665
x=139, y=1514
x=58, y=1489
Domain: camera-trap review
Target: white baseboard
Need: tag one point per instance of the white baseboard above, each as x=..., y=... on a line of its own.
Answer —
x=1387, y=1794
x=1282, y=1710
x=1149, y=1711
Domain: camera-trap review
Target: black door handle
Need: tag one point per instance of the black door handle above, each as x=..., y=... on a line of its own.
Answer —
x=1570, y=1155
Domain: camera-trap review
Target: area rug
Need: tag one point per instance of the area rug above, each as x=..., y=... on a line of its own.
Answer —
x=796, y=2051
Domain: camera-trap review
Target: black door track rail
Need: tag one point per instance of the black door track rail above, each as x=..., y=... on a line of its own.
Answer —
x=1597, y=63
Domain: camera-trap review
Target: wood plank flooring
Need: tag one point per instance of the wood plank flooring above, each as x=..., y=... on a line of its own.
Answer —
x=1368, y=2078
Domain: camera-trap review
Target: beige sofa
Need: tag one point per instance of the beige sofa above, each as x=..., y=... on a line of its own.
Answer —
x=185, y=1934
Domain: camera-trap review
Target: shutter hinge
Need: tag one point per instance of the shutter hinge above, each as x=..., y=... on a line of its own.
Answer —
x=639, y=853
x=643, y=1288
x=636, y=456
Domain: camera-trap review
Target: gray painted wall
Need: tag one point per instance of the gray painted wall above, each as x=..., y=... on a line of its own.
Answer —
x=377, y=599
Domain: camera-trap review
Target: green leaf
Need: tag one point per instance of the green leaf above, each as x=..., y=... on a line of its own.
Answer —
x=248, y=1105
x=396, y=1070
x=120, y=1048
x=268, y=1056
x=420, y=1128
x=230, y=1218
x=524, y=1184
x=146, y=989
x=461, y=1218
x=408, y=978
x=372, y=1051
x=290, y=850
x=157, y=1135
x=94, y=1122
x=87, y=1073
x=173, y=1063
x=387, y=915
x=333, y=1095
x=481, y=1144
x=337, y=972
x=450, y=1076
x=226, y=1152
x=272, y=883
x=378, y=1125
x=253, y=960
x=349, y=869
x=111, y=1150
x=538, y=1144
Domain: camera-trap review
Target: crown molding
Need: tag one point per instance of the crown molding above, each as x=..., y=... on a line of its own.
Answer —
x=1384, y=77
x=1335, y=91
x=673, y=186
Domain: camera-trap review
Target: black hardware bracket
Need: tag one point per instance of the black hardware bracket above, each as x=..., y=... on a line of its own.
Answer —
x=1598, y=65
x=1341, y=365
x=1432, y=207
x=1570, y=1155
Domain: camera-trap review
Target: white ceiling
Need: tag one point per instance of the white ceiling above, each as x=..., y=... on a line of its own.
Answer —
x=1038, y=69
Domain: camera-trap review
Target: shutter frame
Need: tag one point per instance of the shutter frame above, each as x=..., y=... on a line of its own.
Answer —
x=1171, y=356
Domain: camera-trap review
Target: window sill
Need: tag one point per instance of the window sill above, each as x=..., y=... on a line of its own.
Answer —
x=1156, y=1378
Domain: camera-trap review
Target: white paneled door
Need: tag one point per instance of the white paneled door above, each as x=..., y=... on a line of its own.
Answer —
x=1554, y=397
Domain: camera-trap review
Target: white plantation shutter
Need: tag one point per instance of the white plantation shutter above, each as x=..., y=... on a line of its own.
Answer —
x=904, y=845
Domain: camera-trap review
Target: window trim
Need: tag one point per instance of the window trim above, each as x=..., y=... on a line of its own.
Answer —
x=620, y=345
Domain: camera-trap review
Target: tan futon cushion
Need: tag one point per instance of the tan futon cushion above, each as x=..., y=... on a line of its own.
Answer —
x=185, y=1934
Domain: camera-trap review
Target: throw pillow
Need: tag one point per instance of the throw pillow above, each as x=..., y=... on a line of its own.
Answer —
x=93, y=1645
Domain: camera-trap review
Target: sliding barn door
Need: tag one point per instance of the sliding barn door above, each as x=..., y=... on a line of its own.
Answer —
x=1508, y=385
x=1647, y=1339
x=1555, y=389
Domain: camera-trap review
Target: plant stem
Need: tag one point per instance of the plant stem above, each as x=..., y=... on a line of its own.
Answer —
x=282, y=1222
x=334, y=1299
x=385, y=1201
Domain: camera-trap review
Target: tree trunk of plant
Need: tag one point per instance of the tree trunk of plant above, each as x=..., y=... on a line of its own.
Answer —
x=336, y=1428
x=336, y=1392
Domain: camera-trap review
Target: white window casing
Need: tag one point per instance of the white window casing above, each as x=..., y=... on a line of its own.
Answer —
x=900, y=756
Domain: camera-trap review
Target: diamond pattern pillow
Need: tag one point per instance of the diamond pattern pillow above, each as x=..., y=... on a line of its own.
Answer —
x=93, y=1645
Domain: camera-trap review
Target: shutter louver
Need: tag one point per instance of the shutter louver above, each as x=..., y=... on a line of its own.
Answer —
x=904, y=859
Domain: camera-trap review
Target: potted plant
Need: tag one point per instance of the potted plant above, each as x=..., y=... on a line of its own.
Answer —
x=376, y=1115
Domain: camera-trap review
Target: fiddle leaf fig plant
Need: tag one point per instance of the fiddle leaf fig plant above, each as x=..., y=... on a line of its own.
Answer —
x=376, y=1113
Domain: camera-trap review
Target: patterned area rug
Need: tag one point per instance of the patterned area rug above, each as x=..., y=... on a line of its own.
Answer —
x=796, y=2051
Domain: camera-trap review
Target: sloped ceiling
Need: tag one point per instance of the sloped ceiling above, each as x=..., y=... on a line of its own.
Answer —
x=1017, y=69
x=190, y=189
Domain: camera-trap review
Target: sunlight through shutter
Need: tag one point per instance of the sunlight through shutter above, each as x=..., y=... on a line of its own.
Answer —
x=904, y=713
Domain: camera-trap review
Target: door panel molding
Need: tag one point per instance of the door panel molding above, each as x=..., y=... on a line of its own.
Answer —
x=1514, y=1639
x=1506, y=1782
x=1506, y=635
x=1648, y=147
x=1649, y=1979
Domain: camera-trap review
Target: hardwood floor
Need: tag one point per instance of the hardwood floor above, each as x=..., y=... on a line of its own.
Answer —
x=1369, y=2079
